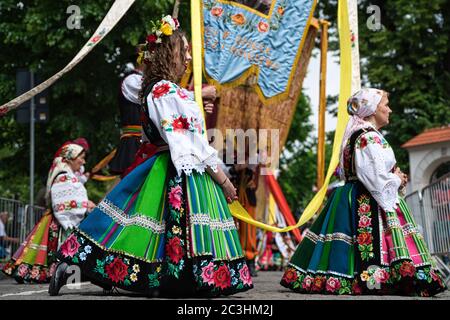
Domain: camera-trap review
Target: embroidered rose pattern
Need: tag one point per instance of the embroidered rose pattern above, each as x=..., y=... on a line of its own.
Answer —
x=70, y=247
x=161, y=90
x=364, y=238
x=365, y=140
x=175, y=197
x=116, y=270
x=182, y=124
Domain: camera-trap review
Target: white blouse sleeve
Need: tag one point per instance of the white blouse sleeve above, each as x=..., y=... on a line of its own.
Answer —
x=69, y=200
x=373, y=165
x=131, y=86
x=180, y=123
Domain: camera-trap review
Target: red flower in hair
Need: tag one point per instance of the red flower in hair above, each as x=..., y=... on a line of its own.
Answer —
x=151, y=38
x=177, y=23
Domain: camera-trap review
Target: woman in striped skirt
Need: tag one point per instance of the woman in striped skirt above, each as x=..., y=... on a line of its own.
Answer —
x=365, y=240
x=166, y=227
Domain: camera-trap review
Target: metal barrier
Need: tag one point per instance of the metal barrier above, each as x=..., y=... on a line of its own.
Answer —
x=431, y=210
x=22, y=219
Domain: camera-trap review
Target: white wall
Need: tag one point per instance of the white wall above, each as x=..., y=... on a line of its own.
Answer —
x=423, y=160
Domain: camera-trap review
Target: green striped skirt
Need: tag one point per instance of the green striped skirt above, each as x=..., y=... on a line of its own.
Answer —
x=160, y=232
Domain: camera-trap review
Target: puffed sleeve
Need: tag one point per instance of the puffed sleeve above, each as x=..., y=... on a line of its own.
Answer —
x=373, y=163
x=69, y=200
x=180, y=123
x=131, y=86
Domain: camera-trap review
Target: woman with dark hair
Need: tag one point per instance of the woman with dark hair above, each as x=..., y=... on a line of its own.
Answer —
x=166, y=227
x=365, y=240
x=35, y=260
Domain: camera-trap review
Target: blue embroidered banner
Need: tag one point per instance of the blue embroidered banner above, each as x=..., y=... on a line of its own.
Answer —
x=261, y=37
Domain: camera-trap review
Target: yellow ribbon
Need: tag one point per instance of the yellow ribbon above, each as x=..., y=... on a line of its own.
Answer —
x=344, y=92
x=197, y=45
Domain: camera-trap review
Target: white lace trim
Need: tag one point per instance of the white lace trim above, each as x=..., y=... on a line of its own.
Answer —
x=189, y=162
x=203, y=219
x=387, y=198
x=121, y=218
x=337, y=236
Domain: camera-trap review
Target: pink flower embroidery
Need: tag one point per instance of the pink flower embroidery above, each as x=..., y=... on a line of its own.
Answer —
x=381, y=275
x=96, y=39
x=175, y=197
x=182, y=94
x=245, y=275
x=23, y=270
x=70, y=246
x=208, y=273
x=364, y=222
x=263, y=27
x=364, y=209
x=377, y=140
x=333, y=284
x=307, y=282
x=35, y=273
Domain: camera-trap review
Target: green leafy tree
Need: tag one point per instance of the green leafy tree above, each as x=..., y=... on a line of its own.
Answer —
x=34, y=34
x=409, y=57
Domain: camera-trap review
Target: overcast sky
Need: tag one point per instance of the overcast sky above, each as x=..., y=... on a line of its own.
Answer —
x=311, y=87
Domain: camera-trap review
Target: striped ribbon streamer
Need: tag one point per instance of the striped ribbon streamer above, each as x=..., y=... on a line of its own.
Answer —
x=117, y=11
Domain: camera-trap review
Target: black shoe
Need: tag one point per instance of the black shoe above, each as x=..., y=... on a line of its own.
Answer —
x=59, y=279
x=252, y=268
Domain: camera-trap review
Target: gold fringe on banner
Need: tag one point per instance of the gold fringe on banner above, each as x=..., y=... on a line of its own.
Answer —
x=345, y=91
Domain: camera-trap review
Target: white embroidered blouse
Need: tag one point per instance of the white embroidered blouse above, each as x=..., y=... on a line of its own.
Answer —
x=374, y=161
x=69, y=200
x=179, y=120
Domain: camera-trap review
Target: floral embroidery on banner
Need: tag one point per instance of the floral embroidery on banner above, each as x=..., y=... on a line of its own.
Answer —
x=365, y=238
x=182, y=124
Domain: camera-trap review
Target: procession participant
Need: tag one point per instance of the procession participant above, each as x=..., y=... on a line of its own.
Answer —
x=35, y=260
x=129, y=106
x=166, y=227
x=365, y=240
x=129, y=109
x=246, y=181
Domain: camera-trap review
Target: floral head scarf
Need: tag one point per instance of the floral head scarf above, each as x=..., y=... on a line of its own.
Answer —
x=362, y=104
x=68, y=152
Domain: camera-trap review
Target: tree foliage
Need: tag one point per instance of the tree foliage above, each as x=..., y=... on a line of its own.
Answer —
x=34, y=34
x=409, y=57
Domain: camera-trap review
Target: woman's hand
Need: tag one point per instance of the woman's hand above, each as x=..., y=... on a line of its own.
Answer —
x=229, y=191
x=403, y=177
x=209, y=106
x=209, y=93
x=91, y=205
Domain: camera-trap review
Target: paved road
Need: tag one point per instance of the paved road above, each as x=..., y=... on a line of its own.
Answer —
x=266, y=287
